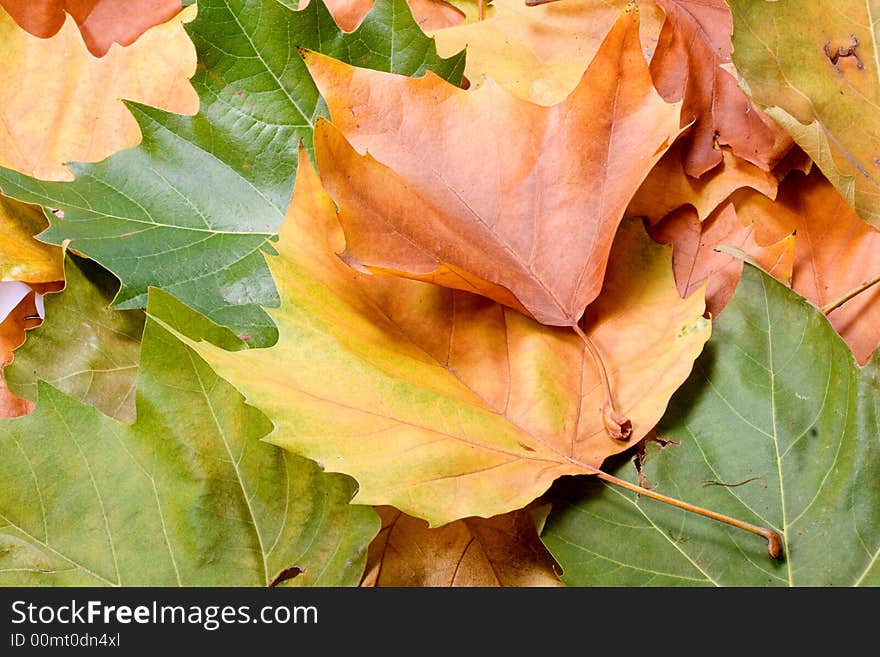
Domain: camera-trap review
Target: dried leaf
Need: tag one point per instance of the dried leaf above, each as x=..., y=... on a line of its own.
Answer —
x=56, y=82
x=814, y=66
x=101, y=22
x=445, y=404
x=513, y=200
x=835, y=252
x=694, y=45
x=429, y=14
x=697, y=262
x=500, y=551
x=23, y=258
x=668, y=187
x=540, y=53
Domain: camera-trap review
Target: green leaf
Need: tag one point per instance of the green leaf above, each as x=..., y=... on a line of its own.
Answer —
x=776, y=396
x=191, y=208
x=187, y=495
x=83, y=348
x=815, y=66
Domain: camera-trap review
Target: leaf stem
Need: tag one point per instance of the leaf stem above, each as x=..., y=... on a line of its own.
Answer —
x=618, y=426
x=774, y=538
x=834, y=305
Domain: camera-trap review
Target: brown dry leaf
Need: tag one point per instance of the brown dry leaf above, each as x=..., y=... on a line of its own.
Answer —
x=445, y=404
x=668, y=187
x=101, y=22
x=835, y=251
x=484, y=192
x=59, y=104
x=694, y=45
x=429, y=14
x=475, y=552
x=697, y=263
x=540, y=53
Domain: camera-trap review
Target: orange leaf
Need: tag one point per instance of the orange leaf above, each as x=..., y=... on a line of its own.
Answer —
x=445, y=404
x=540, y=53
x=835, y=251
x=59, y=104
x=694, y=45
x=101, y=22
x=429, y=14
x=668, y=187
x=500, y=551
x=484, y=192
x=696, y=262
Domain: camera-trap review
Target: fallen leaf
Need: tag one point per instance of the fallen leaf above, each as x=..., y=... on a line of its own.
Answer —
x=777, y=426
x=694, y=44
x=428, y=14
x=23, y=258
x=835, y=252
x=668, y=187
x=188, y=495
x=56, y=82
x=540, y=53
x=101, y=22
x=24, y=311
x=83, y=348
x=203, y=242
x=445, y=404
x=500, y=551
x=421, y=204
x=814, y=67
x=697, y=261
x=10, y=404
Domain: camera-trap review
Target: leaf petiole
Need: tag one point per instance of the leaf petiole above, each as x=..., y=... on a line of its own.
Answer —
x=774, y=539
x=618, y=426
x=864, y=285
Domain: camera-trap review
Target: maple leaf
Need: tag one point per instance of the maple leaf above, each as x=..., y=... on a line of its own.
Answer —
x=23, y=258
x=540, y=53
x=835, y=253
x=535, y=233
x=187, y=495
x=814, y=68
x=500, y=551
x=56, y=82
x=150, y=217
x=445, y=404
x=101, y=22
x=697, y=260
x=428, y=14
x=791, y=238
x=694, y=45
x=777, y=423
x=83, y=347
x=11, y=405
x=668, y=187
x=28, y=270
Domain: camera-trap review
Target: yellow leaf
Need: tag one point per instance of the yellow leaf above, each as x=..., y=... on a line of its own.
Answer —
x=445, y=404
x=540, y=53
x=59, y=103
x=23, y=258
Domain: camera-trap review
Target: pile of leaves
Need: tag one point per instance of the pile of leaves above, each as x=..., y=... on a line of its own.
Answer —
x=377, y=293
